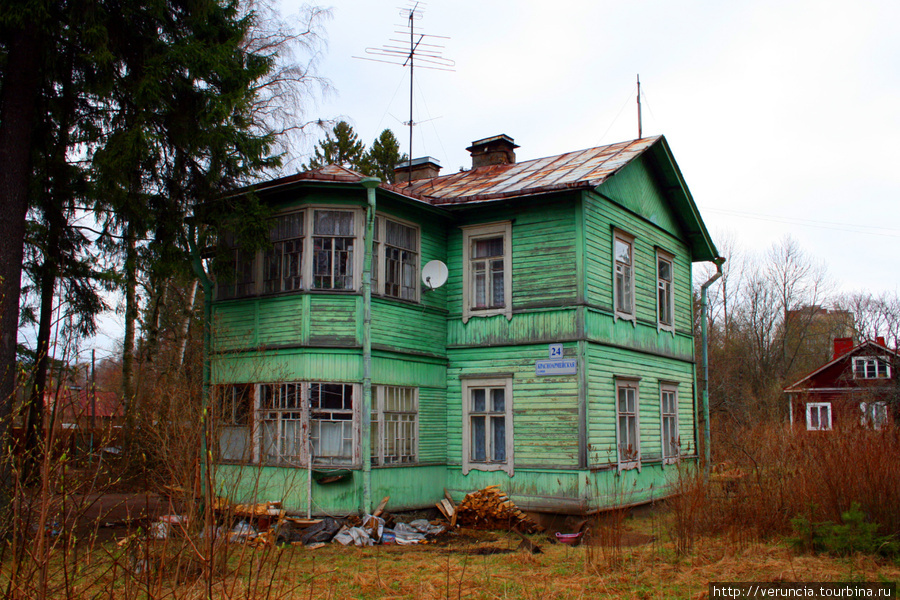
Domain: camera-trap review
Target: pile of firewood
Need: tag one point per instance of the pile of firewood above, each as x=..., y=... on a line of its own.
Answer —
x=492, y=509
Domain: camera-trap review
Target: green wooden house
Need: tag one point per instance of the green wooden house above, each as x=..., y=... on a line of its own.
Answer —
x=557, y=361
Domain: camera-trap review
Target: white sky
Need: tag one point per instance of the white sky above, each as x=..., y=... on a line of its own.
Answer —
x=782, y=114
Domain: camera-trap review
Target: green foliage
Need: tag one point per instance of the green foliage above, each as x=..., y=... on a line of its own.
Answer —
x=383, y=157
x=852, y=535
x=340, y=147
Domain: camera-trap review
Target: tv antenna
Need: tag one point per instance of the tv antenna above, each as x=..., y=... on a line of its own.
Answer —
x=420, y=47
x=639, y=105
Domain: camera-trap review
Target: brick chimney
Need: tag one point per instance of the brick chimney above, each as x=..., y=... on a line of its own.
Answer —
x=496, y=150
x=422, y=168
x=842, y=346
x=880, y=341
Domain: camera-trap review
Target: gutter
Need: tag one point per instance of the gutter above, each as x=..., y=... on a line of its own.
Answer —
x=704, y=306
x=370, y=183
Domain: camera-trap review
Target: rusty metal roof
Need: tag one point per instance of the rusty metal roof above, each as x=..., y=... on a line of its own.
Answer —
x=583, y=169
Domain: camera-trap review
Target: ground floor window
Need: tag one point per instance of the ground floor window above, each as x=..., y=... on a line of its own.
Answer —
x=487, y=424
x=818, y=416
x=874, y=414
x=232, y=410
x=627, y=430
x=395, y=425
x=669, y=424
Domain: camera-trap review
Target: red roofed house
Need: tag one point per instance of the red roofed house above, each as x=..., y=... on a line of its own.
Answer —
x=858, y=386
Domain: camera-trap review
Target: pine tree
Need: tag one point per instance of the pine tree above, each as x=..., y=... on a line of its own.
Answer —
x=340, y=147
x=383, y=157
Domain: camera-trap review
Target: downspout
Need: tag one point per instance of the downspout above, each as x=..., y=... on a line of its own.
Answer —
x=370, y=183
x=704, y=305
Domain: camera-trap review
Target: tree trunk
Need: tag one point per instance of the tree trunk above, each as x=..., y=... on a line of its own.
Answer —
x=21, y=84
x=130, y=321
x=188, y=317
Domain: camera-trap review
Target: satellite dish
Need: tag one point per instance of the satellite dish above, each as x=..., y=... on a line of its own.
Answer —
x=434, y=274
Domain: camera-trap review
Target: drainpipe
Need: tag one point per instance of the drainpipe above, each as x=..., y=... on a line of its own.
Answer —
x=370, y=183
x=704, y=304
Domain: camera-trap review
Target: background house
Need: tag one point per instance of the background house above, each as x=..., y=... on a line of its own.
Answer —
x=858, y=386
x=557, y=361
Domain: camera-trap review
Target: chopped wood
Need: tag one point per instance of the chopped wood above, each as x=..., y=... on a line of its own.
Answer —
x=303, y=523
x=440, y=507
x=527, y=544
x=491, y=509
x=381, y=506
x=449, y=498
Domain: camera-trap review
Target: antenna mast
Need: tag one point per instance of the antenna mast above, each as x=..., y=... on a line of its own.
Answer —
x=639, y=105
x=429, y=56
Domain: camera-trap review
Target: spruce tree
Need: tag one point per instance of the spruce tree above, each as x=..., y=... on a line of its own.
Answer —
x=340, y=147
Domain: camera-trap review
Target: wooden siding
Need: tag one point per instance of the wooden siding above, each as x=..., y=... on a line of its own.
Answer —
x=636, y=189
x=411, y=327
x=604, y=365
x=545, y=409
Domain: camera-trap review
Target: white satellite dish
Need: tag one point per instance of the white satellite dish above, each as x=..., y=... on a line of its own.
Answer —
x=434, y=274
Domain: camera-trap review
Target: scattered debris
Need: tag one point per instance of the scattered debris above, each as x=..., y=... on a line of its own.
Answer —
x=492, y=509
x=527, y=544
x=572, y=539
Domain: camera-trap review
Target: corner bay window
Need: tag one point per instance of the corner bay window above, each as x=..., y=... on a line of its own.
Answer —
x=283, y=262
x=333, y=241
x=487, y=425
x=232, y=409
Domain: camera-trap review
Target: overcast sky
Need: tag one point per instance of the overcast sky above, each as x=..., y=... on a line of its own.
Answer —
x=783, y=115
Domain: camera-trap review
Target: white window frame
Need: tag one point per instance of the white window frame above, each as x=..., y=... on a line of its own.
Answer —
x=357, y=242
x=379, y=258
x=301, y=412
x=468, y=386
x=665, y=292
x=633, y=459
x=874, y=414
x=670, y=416
x=817, y=408
x=626, y=313
x=473, y=234
x=861, y=366
x=407, y=428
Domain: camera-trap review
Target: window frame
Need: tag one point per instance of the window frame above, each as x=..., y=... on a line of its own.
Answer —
x=665, y=257
x=874, y=414
x=379, y=258
x=670, y=458
x=629, y=289
x=354, y=262
x=625, y=463
x=275, y=244
x=818, y=406
x=305, y=418
x=226, y=398
x=877, y=361
x=487, y=383
x=379, y=426
x=470, y=235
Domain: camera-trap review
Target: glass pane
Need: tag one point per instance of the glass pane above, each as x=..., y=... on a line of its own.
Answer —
x=665, y=270
x=498, y=438
x=487, y=248
x=623, y=252
x=814, y=417
x=234, y=443
x=497, y=292
x=478, y=439
x=479, y=285
x=332, y=222
x=498, y=400
x=478, y=400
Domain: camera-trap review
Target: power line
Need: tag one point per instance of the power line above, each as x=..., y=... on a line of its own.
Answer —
x=847, y=227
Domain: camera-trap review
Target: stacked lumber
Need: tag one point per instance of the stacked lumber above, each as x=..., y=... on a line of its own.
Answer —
x=490, y=508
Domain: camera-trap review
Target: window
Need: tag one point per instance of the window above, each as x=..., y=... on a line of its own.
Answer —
x=328, y=414
x=232, y=405
x=664, y=302
x=671, y=443
x=400, y=261
x=627, y=432
x=818, y=416
x=238, y=278
x=283, y=262
x=333, y=240
x=487, y=270
x=395, y=425
x=623, y=280
x=487, y=425
x=874, y=414
x=871, y=367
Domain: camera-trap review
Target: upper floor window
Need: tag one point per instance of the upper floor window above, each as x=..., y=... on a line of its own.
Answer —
x=283, y=262
x=239, y=274
x=487, y=425
x=487, y=269
x=623, y=276
x=401, y=260
x=664, y=298
x=871, y=367
x=333, y=243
